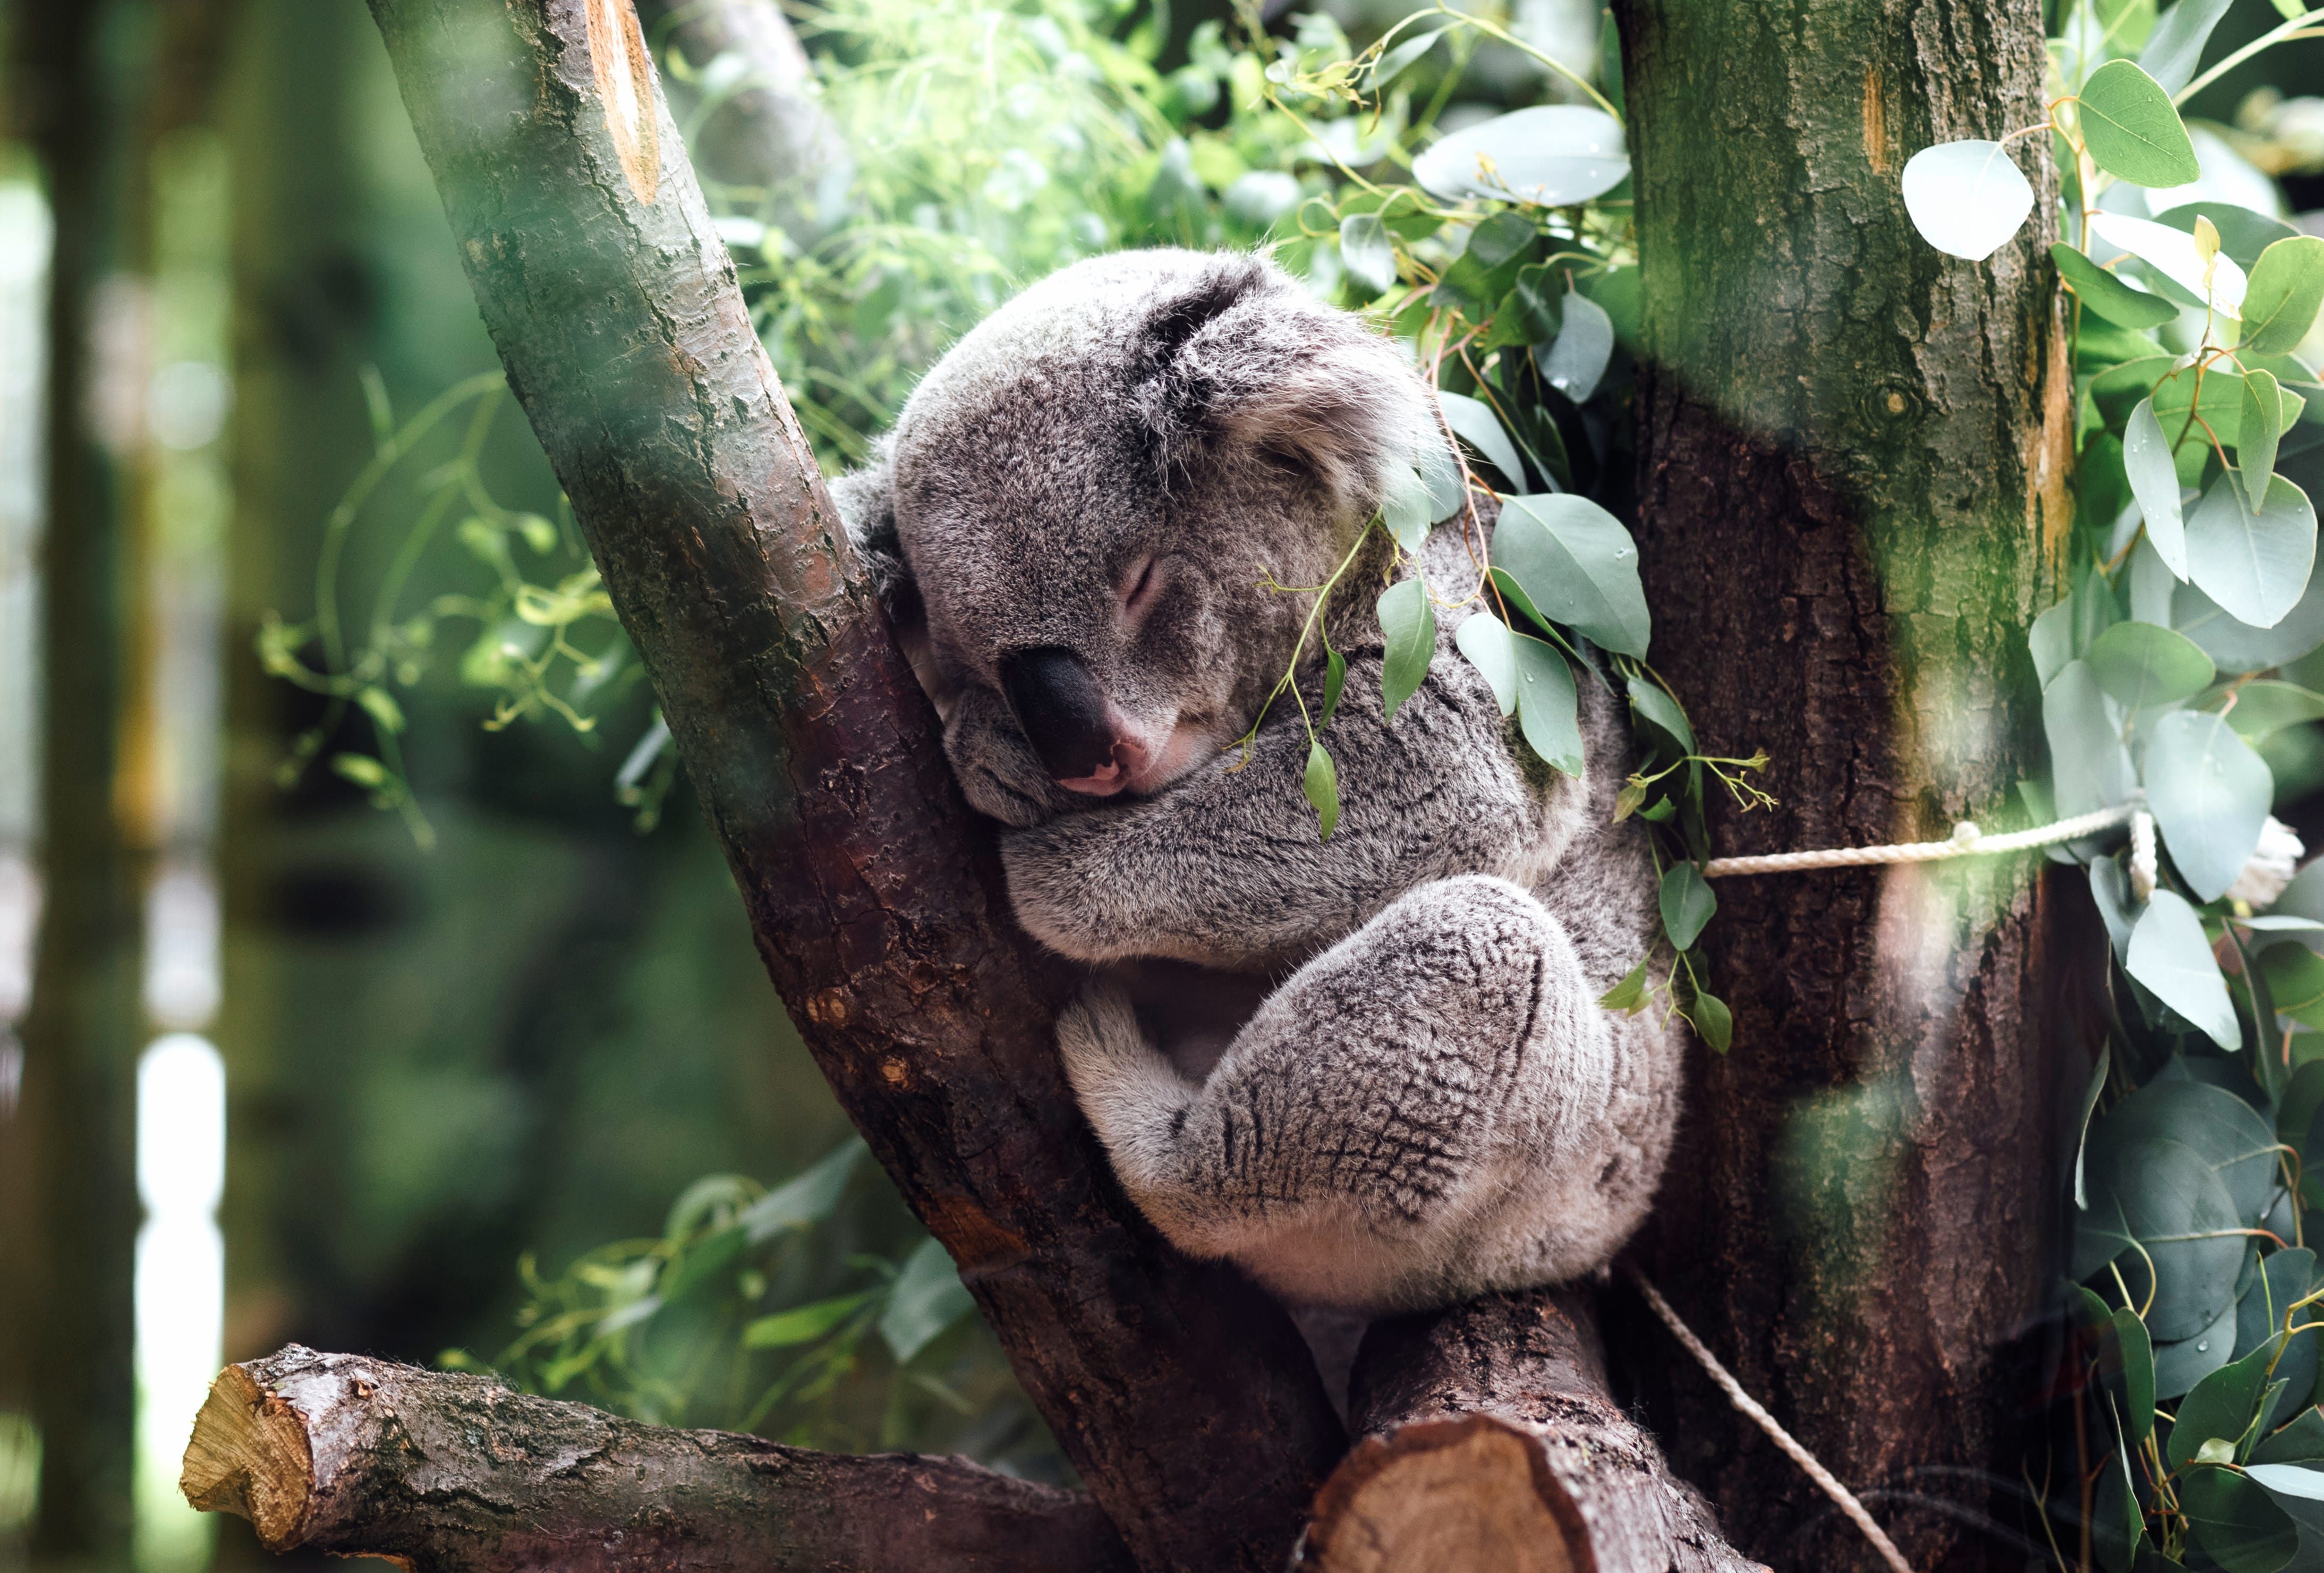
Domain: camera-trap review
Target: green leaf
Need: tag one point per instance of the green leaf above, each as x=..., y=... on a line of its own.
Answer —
x=1534, y=307
x=1548, y=708
x=2252, y=562
x=1687, y=904
x=2175, y=47
x=2154, y=482
x=1367, y=252
x=1489, y=647
x=2301, y=1441
x=2137, y=1349
x=2238, y=647
x=1336, y=679
x=2294, y=975
x=2283, y=1279
x=2089, y=769
x=1405, y=508
x=1578, y=358
x=2243, y=234
x=2139, y=664
x=2210, y=795
x=2280, y=302
x=361, y=769
x=2288, y=1478
x=2218, y=1127
x=2169, y=955
x=1664, y=723
x=1610, y=63
x=2132, y=130
x=927, y=1298
x=1713, y=1020
x=1321, y=786
x=2110, y=296
x=2159, y=1196
x=1440, y=473
x=1578, y=567
x=2222, y=1406
x=380, y=707
x=2090, y=1090
x=1474, y=422
x=802, y=1325
x=1549, y=156
x=1408, y=624
x=2255, y=443
x=2232, y=1518
x=1399, y=59
x=2266, y=706
x=807, y=1198
x=2180, y=1362
x=1630, y=995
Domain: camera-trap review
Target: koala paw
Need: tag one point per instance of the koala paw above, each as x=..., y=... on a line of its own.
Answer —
x=996, y=767
x=1118, y=1074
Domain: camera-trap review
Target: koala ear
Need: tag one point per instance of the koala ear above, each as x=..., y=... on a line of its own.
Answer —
x=1243, y=365
x=866, y=499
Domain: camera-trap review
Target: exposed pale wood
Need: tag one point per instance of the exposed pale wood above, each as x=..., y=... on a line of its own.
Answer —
x=457, y=1474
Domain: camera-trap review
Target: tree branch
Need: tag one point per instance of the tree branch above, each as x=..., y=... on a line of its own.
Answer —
x=457, y=1474
x=1490, y=1440
x=1181, y=1392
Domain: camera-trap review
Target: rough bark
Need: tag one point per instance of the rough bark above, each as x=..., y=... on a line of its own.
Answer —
x=455, y=1474
x=1489, y=1439
x=1854, y=452
x=1182, y=1394
x=772, y=133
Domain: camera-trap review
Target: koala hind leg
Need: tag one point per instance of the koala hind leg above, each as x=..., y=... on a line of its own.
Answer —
x=1391, y=1113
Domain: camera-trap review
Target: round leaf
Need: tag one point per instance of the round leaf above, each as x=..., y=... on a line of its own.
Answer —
x=2252, y=562
x=2140, y=664
x=2154, y=482
x=2218, y=1127
x=2164, y=1197
x=2286, y=289
x=1578, y=566
x=1367, y=252
x=1967, y=199
x=1549, y=155
x=2111, y=297
x=2089, y=769
x=2210, y=795
x=2181, y=1363
x=2232, y=1518
x=2172, y=254
x=2132, y=130
x=2169, y=955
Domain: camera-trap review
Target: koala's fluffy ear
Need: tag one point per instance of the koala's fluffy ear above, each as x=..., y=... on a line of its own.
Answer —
x=1241, y=364
x=866, y=499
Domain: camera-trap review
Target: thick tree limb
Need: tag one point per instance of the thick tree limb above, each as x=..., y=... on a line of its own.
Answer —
x=1492, y=1442
x=457, y=1473
x=770, y=130
x=1182, y=1394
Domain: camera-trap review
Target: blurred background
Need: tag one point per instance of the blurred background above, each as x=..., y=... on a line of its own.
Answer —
x=366, y=976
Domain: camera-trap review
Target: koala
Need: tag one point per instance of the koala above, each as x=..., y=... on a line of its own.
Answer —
x=1081, y=525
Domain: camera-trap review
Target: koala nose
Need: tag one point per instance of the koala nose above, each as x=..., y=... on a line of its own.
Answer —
x=1062, y=710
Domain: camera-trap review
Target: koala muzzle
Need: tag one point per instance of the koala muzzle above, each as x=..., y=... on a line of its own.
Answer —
x=1062, y=710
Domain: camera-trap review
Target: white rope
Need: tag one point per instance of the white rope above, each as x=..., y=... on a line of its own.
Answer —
x=1967, y=840
x=1823, y=1477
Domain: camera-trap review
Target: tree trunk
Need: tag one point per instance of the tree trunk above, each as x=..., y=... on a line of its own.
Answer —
x=1490, y=1440
x=1854, y=456
x=452, y=1474
x=1181, y=1392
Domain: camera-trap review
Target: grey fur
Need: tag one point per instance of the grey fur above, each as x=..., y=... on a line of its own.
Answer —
x=1429, y=1103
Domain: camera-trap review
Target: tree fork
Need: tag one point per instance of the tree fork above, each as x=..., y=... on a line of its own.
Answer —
x=1490, y=1438
x=457, y=1474
x=1854, y=460
x=1183, y=1394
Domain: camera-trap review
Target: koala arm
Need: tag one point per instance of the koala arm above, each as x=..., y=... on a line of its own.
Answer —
x=1228, y=870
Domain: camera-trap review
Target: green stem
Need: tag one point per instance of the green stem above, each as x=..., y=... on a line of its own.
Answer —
x=2282, y=35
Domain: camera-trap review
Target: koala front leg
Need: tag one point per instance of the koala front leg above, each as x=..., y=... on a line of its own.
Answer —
x=1227, y=869
x=1385, y=1131
x=996, y=767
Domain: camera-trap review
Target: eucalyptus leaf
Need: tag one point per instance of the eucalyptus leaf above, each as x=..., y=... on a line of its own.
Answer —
x=2238, y=647
x=2089, y=767
x=2231, y=1516
x=1321, y=786
x=1578, y=566
x=2132, y=131
x=807, y=1198
x=1687, y=904
x=2264, y=706
x=2286, y=289
x=2051, y=639
x=2221, y=1406
x=2175, y=47
x=2172, y=254
x=801, y=1324
x=1550, y=156
x=1673, y=738
x=1405, y=507
x=2300, y=1441
x=1367, y=252
x=2110, y=889
x=1440, y=472
x=1474, y=422
x=1490, y=648
x=2229, y=1135
x=2253, y=561
x=2289, y=1479
x=2112, y=298
x=1578, y=358
x=2142, y=665
x=2180, y=1362
x=1408, y=624
x=2154, y=482
x=1398, y=60
x=1548, y=708
x=1967, y=199
x=2243, y=234
x=2210, y=795
x=1335, y=680
x=2169, y=954
x=2161, y=1197
x=926, y=1300
x=2255, y=443
x=1630, y=995
x=1713, y=1021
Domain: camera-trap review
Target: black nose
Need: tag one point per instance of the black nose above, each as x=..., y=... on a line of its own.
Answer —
x=1061, y=708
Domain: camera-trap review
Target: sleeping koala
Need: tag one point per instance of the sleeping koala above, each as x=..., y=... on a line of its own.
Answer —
x=1074, y=524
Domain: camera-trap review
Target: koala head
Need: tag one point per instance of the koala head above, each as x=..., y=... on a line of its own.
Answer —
x=1082, y=506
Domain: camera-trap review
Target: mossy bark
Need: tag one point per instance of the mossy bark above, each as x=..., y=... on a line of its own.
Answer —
x=1854, y=459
